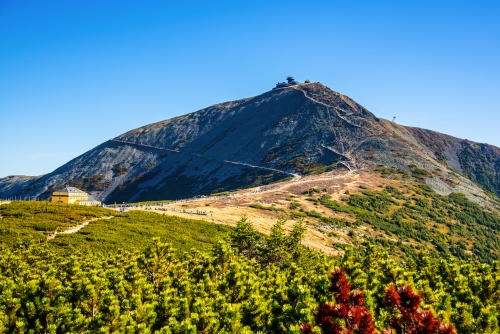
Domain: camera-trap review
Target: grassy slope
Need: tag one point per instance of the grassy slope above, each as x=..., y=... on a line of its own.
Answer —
x=136, y=229
x=30, y=222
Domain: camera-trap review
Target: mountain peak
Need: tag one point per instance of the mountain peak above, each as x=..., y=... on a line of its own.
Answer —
x=294, y=129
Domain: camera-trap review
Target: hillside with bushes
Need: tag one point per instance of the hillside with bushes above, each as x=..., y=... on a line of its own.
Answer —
x=219, y=279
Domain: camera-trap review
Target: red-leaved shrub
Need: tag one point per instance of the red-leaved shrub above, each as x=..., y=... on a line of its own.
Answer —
x=412, y=320
x=348, y=316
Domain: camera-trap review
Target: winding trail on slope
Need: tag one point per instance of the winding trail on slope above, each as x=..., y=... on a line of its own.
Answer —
x=350, y=163
x=328, y=106
x=271, y=187
x=76, y=228
x=345, y=163
x=295, y=175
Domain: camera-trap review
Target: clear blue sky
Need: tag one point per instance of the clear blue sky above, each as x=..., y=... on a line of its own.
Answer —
x=76, y=73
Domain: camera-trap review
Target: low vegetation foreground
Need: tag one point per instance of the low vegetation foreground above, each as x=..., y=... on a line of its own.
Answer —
x=401, y=259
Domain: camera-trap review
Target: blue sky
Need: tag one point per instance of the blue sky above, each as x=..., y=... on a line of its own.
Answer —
x=75, y=73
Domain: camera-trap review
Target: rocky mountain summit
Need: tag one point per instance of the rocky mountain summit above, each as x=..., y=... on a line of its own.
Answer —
x=284, y=133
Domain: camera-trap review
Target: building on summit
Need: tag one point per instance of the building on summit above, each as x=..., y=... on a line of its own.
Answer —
x=290, y=82
x=72, y=195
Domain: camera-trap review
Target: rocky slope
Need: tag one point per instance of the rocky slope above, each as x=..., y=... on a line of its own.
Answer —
x=283, y=133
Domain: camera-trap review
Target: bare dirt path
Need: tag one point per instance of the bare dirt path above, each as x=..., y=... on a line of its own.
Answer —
x=76, y=228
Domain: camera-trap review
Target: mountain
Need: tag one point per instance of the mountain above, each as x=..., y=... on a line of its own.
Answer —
x=280, y=134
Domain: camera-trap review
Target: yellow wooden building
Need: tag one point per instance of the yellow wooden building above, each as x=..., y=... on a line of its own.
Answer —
x=72, y=195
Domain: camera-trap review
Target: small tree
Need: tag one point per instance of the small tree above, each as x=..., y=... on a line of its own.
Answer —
x=245, y=238
x=295, y=239
x=276, y=249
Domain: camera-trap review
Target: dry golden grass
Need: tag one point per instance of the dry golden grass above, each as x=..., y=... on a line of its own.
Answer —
x=229, y=209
